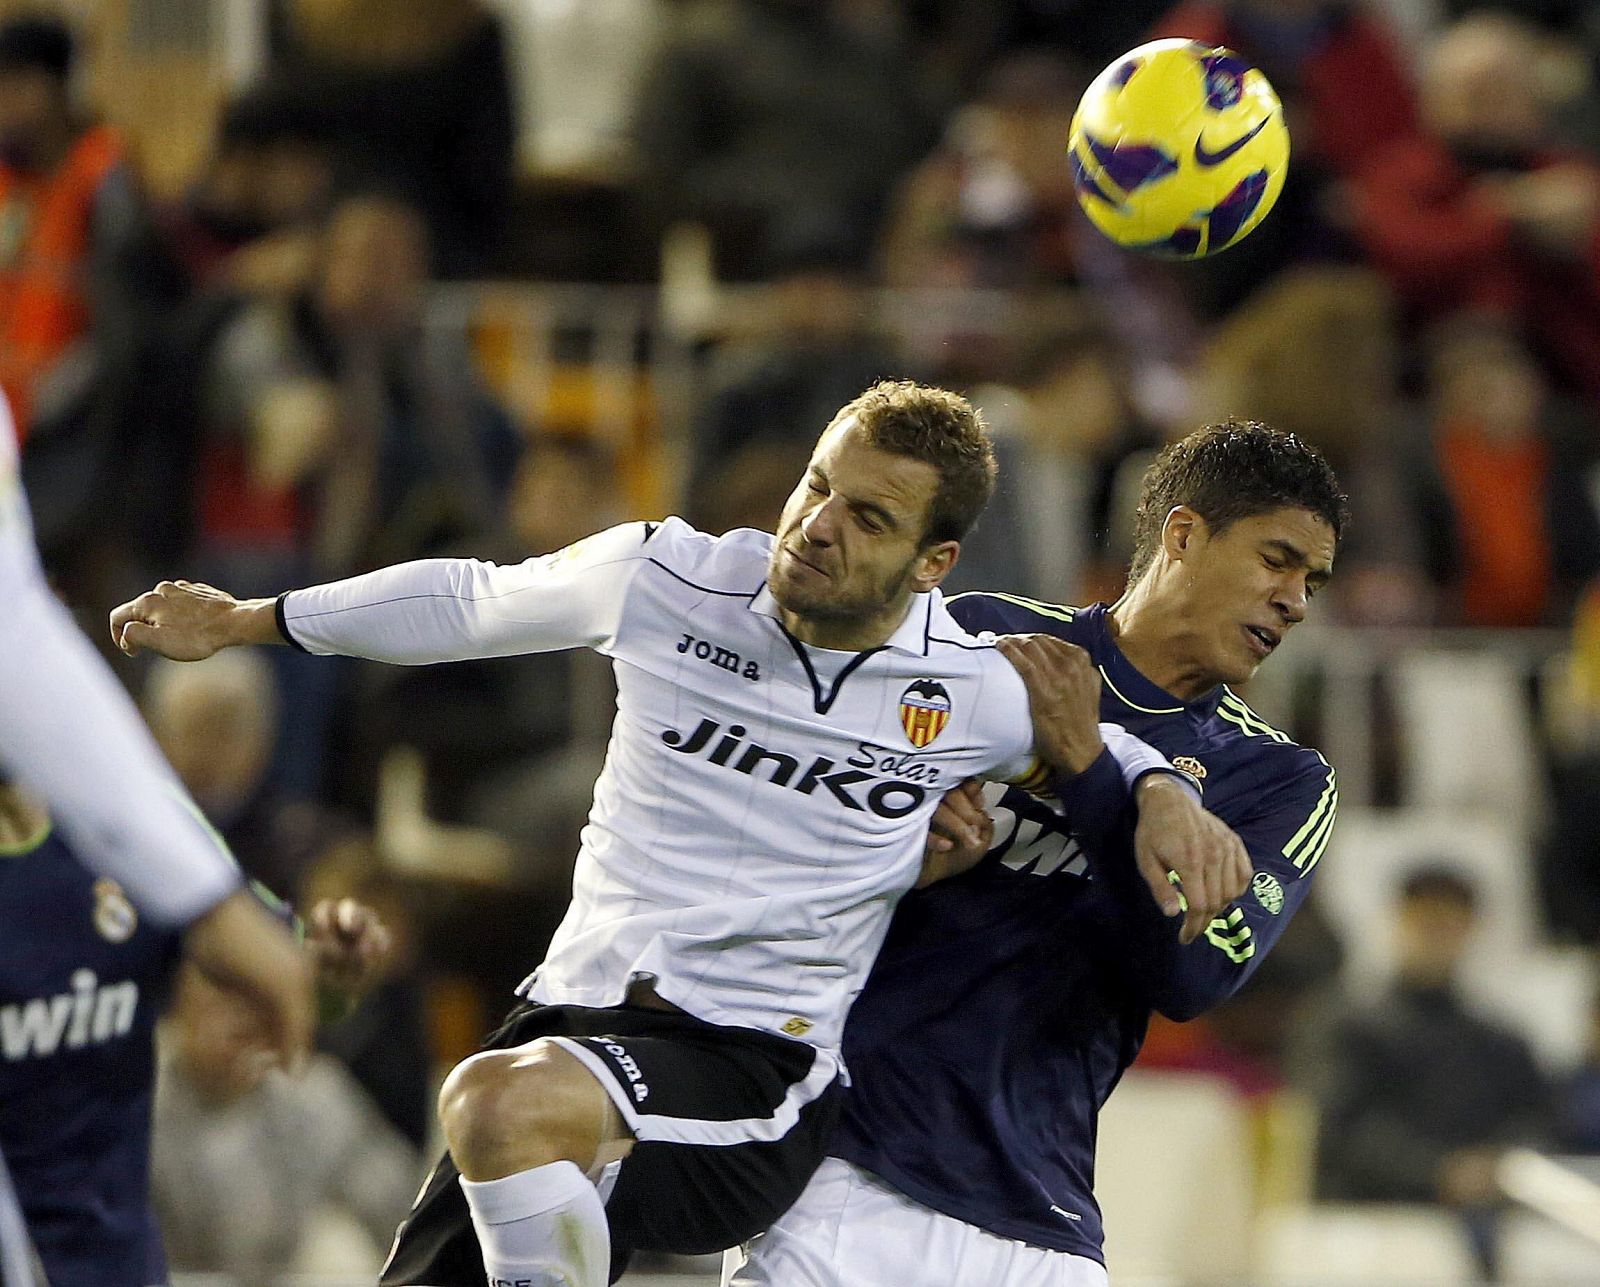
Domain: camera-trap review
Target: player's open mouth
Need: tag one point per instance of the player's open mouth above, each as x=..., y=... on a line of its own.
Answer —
x=1262, y=640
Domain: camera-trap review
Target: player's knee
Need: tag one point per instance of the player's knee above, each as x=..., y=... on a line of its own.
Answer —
x=505, y=1111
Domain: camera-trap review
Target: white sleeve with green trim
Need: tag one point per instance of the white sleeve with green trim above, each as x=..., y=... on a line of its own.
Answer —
x=69, y=731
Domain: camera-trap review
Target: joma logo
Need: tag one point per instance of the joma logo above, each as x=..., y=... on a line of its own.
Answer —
x=716, y=655
x=886, y=798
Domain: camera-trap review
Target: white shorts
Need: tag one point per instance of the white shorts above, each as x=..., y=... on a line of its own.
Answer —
x=849, y=1229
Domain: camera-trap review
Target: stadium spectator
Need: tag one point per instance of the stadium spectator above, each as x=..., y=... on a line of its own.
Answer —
x=1509, y=533
x=763, y=115
x=419, y=97
x=246, y=223
x=80, y=283
x=1418, y=1095
x=73, y=220
x=342, y=431
x=1480, y=209
x=994, y=205
x=241, y=1160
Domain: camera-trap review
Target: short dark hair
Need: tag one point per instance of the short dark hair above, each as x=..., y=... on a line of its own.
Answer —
x=1441, y=882
x=941, y=429
x=1233, y=470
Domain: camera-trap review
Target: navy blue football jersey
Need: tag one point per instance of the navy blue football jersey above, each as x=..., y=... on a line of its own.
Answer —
x=1007, y=1002
x=82, y=981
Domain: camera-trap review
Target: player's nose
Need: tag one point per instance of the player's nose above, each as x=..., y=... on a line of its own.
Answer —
x=1291, y=602
x=821, y=525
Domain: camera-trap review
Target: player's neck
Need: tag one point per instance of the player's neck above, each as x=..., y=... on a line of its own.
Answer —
x=23, y=822
x=1156, y=639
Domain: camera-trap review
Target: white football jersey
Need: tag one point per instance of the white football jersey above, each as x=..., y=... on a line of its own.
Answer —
x=68, y=730
x=763, y=804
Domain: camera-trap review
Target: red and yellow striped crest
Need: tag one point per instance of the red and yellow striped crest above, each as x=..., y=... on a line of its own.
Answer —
x=924, y=711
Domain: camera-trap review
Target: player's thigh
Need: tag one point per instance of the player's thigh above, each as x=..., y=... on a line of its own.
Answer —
x=849, y=1229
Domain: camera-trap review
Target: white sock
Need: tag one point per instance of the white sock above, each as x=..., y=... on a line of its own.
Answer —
x=545, y=1227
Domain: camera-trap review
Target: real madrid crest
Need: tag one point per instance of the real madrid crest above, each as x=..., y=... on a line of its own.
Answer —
x=924, y=711
x=115, y=918
x=1269, y=893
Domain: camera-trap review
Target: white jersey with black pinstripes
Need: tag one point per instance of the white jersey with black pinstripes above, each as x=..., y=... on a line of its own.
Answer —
x=763, y=803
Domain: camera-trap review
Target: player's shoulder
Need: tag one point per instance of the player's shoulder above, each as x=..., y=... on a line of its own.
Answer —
x=982, y=612
x=734, y=563
x=1276, y=757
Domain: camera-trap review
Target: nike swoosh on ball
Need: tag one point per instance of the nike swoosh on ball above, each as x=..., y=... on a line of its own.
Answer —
x=1217, y=158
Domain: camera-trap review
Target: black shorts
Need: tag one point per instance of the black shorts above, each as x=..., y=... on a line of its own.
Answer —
x=730, y=1124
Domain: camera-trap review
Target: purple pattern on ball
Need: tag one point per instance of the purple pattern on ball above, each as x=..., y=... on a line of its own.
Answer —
x=1224, y=80
x=1125, y=73
x=1130, y=168
x=1182, y=244
x=1086, y=182
x=1235, y=209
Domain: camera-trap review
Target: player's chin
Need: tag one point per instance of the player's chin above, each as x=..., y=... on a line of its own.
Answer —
x=790, y=596
x=1237, y=666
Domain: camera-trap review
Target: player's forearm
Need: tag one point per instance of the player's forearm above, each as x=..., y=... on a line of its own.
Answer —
x=69, y=731
x=1097, y=800
x=427, y=611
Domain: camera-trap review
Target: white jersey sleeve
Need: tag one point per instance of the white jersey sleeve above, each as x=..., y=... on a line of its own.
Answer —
x=68, y=730
x=1136, y=757
x=454, y=609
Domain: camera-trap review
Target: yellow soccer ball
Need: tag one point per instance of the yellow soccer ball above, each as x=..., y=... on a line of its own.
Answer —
x=1179, y=149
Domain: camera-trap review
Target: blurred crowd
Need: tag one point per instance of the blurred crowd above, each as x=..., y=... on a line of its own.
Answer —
x=246, y=378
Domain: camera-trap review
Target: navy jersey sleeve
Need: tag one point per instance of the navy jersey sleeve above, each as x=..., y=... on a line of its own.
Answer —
x=1286, y=832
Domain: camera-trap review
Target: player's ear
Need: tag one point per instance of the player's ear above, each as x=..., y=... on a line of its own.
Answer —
x=1179, y=530
x=934, y=564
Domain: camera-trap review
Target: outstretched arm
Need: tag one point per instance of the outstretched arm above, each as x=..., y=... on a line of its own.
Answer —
x=410, y=614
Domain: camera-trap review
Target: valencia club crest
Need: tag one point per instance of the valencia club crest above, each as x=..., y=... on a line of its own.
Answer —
x=924, y=711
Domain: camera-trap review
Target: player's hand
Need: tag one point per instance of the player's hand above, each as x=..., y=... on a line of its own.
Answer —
x=1064, y=696
x=188, y=621
x=248, y=953
x=959, y=835
x=1175, y=834
x=349, y=947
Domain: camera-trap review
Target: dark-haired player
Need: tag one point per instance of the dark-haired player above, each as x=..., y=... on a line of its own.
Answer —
x=790, y=711
x=1007, y=1002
